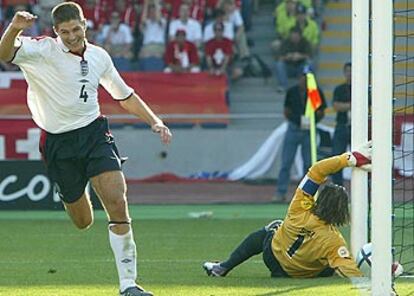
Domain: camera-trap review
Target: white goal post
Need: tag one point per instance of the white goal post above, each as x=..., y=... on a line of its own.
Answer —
x=382, y=108
x=359, y=120
x=382, y=157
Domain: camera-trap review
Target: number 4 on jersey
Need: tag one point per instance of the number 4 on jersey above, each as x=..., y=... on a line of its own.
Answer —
x=83, y=94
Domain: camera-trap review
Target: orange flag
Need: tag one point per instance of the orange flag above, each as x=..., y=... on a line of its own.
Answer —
x=313, y=103
x=314, y=98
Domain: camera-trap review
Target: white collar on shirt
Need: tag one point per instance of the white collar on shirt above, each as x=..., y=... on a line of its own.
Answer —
x=63, y=46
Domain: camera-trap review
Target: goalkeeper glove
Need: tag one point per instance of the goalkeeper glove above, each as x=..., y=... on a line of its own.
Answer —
x=361, y=157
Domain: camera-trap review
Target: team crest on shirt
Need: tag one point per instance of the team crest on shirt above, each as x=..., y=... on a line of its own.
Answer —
x=343, y=252
x=307, y=203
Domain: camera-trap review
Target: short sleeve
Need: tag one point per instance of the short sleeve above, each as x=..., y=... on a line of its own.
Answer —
x=113, y=82
x=30, y=49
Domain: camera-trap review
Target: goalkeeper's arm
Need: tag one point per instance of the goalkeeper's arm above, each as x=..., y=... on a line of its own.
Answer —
x=359, y=158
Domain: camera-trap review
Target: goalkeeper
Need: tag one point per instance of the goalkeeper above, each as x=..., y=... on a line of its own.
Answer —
x=307, y=243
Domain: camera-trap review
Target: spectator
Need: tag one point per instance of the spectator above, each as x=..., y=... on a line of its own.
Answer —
x=219, y=17
x=210, y=9
x=219, y=51
x=234, y=17
x=213, y=5
x=342, y=105
x=153, y=27
x=181, y=55
x=285, y=14
x=43, y=12
x=196, y=9
x=127, y=12
x=33, y=31
x=116, y=38
x=95, y=14
x=297, y=133
x=295, y=52
x=191, y=26
x=309, y=28
x=246, y=9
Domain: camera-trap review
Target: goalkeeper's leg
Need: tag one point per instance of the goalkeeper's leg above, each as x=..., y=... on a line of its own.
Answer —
x=250, y=246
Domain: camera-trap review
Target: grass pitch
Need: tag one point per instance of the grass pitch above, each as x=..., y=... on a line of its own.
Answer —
x=42, y=254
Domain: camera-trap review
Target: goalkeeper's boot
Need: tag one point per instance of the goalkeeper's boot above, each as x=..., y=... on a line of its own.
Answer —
x=135, y=291
x=214, y=269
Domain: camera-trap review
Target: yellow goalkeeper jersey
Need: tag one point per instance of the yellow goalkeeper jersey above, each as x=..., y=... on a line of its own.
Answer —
x=305, y=245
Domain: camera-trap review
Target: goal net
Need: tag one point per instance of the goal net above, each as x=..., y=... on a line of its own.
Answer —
x=403, y=135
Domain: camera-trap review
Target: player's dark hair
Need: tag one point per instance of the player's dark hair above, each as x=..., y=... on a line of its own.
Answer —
x=331, y=205
x=346, y=65
x=65, y=12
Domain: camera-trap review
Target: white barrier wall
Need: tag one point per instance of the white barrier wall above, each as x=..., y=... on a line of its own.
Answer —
x=191, y=151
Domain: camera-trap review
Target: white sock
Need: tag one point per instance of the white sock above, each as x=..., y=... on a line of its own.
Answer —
x=125, y=253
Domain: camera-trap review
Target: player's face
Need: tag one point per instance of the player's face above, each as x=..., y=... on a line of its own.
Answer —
x=72, y=34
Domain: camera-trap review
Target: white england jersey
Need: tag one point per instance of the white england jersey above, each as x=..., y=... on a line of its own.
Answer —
x=61, y=96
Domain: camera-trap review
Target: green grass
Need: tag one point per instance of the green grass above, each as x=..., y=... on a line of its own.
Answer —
x=42, y=254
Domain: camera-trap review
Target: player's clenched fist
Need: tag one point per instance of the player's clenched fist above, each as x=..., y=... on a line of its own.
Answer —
x=23, y=20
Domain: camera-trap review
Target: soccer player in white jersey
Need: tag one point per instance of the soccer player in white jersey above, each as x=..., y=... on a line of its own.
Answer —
x=63, y=75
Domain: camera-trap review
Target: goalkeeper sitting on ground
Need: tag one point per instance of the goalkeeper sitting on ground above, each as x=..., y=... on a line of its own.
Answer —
x=307, y=244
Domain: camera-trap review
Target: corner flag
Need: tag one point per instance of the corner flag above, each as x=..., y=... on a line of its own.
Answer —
x=313, y=102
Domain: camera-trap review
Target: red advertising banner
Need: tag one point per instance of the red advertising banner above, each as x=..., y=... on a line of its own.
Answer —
x=198, y=93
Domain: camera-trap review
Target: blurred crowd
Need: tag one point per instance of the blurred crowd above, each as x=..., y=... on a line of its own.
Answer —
x=156, y=35
x=297, y=24
x=184, y=35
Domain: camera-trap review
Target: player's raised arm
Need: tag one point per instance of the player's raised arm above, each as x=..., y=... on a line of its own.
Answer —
x=360, y=158
x=20, y=21
x=135, y=105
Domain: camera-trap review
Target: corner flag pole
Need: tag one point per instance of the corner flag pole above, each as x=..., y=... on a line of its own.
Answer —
x=313, y=102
